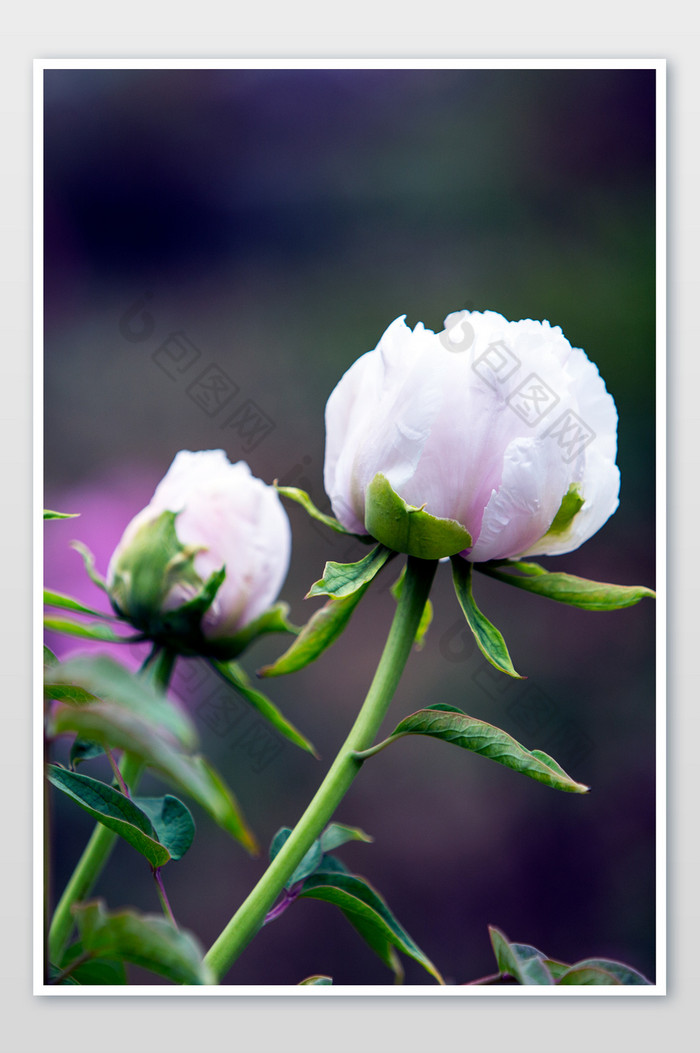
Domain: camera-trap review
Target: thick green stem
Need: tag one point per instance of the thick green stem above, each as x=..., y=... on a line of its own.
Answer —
x=251, y=914
x=158, y=668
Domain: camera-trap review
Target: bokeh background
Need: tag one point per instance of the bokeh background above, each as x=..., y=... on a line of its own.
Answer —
x=266, y=226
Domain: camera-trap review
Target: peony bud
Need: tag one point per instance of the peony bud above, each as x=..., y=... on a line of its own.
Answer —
x=206, y=557
x=495, y=439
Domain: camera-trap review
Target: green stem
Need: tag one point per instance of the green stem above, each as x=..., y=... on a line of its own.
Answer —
x=251, y=914
x=158, y=667
x=90, y=864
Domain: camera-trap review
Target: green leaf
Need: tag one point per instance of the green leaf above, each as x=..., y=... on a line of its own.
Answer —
x=588, y=975
x=82, y=750
x=524, y=963
x=89, y=564
x=376, y=939
x=336, y=834
x=101, y=677
x=111, y=808
x=622, y=973
x=426, y=616
x=566, y=588
x=309, y=862
x=488, y=638
x=303, y=499
x=146, y=940
x=97, y=971
x=406, y=528
x=343, y=579
x=357, y=898
x=315, y=981
x=238, y=678
x=49, y=657
x=115, y=726
x=322, y=629
x=172, y=822
x=60, y=515
x=67, y=603
x=87, y=631
x=453, y=725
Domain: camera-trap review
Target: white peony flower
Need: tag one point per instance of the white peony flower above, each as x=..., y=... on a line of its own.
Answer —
x=223, y=518
x=501, y=426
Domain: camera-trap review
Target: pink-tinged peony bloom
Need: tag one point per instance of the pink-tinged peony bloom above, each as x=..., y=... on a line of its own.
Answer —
x=223, y=517
x=491, y=423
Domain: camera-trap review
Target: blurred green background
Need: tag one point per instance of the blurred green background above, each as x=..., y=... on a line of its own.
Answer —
x=267, y=226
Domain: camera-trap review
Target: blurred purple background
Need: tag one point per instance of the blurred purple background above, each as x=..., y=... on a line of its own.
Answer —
x=220, y=246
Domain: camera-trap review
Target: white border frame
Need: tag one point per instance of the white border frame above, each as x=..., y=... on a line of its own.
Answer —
x=659, y=988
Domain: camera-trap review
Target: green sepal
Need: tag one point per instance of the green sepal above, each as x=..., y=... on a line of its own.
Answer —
x=571, y=505
x=426, y=617
x=89, y=564
x=238, y=678
x=407, y=528
x=60, y=515
x=88, y=630
x=566, y=588
x=489, y=640
x=357, y=899
x=67, y=603
x=322, y=629
x=147, y=940
x=343, y=579
x=453, y=725
x=273, y=620
x=303, y=499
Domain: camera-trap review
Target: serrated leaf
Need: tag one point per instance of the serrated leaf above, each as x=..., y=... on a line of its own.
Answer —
x=172, y=822
x=87, y=630
x=623, y=974
x=111, y=808
x=303, y=499
x=343, y=579
x=146, y=940
x=238, y=678
x=67, y=603
x=322, y=629
x=120, y=728
x=316, y=981
x=489, y=640
x=355, y=896
x=524, y=963
x=60, y=515
x=407, y=528
x=452, y=725
x=567, y=588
